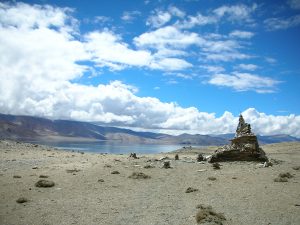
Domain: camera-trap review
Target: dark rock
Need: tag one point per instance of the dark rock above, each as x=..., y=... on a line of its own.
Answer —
x=22, y=200
x=285, y=175
x=296, y=167
x=115, y=172
x=167, y=165
x=17, y=176
x=207, y=215
x=44, y=176
x=190, y=189
x=44, y=183
x=212, y=178
x=133, y=155
x=176, y=157
x=244, y=146
x=280, y=179
x=101, y=180
x=149, y=167
x=140, y=175
x=216, y=166
x=200, y=157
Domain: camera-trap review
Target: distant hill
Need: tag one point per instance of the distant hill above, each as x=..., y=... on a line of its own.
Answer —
x=40, y=129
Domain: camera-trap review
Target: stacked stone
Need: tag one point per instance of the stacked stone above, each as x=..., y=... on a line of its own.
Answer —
x=244, y=146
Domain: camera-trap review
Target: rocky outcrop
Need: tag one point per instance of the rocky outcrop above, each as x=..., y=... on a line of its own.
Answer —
x=244, y=146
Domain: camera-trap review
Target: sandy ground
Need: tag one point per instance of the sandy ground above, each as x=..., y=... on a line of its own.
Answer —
x=243, y=191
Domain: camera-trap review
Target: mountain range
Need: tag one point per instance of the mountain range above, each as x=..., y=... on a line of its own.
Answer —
x=31, y=128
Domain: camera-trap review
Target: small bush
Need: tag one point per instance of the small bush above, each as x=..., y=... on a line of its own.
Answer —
x=286, y=175
x=216, y=166
x=206, y=214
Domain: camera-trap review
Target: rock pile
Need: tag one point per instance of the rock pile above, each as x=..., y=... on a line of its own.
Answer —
x=244, y=146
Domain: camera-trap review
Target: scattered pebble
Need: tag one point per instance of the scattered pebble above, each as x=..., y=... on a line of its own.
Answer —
x=44, y=183
x=101, y=180
x=35, y=167
x=17, y=176
x=212, y=178
x=44, y=176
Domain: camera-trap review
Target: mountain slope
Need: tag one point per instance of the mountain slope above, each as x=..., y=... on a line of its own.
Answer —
x=35, y=129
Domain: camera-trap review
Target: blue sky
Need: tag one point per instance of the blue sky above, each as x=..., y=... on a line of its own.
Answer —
x=170, y=66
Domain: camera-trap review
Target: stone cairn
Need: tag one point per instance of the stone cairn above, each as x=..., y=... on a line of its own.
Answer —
x=243, y=147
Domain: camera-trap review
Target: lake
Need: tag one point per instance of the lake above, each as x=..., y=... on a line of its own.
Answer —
x=113, y=148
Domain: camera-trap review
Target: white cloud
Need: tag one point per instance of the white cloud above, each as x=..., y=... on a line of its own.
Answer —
x=107, y=49
x=236, y=13
x=249, y=67
x=226, y=56
x=241, y=34
x=245, y=82
x=270, y=60
x=176, y=12
x=167, y=37
x=198, y=20
x=129, y=16
x=272, y=24
x=294, y=4
x=170, y=64
x=213, y=69
x=159, y=19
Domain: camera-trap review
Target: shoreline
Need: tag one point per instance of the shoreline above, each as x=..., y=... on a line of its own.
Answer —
x=88, y=191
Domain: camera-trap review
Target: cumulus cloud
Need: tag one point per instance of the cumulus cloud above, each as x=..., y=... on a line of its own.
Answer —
x=244, y=82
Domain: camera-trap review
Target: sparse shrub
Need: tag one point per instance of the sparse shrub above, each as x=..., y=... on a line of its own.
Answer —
x=167, y=165
x=176, y=157
x=206, y=214
x=149, y=167
x=200, y=158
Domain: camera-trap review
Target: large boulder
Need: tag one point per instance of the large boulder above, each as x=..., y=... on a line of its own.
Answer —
x=243, y=147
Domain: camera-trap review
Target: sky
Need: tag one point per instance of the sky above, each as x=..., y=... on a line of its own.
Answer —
x=181, y=66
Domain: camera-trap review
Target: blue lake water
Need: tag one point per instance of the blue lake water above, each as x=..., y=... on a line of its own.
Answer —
x=113, y=148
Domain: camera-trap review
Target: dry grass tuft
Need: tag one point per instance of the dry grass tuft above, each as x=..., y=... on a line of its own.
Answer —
x=207, y=214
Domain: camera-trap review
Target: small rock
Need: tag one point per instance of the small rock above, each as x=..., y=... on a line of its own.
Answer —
x=44, y=183
x=101, y=180
x=22, y=200
x=280, y=179
x=35, y=167
x=149, y=166
x=212, y=178
x=133, y=155
x=17, y=176
x=167, y=165
x=115, y=172
x=286, y=175
x=200, y=158
x=296, y=167
x=140, y=175
x=216, y=166
x=190, y=189
x=44, y=176
x=176, y=157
